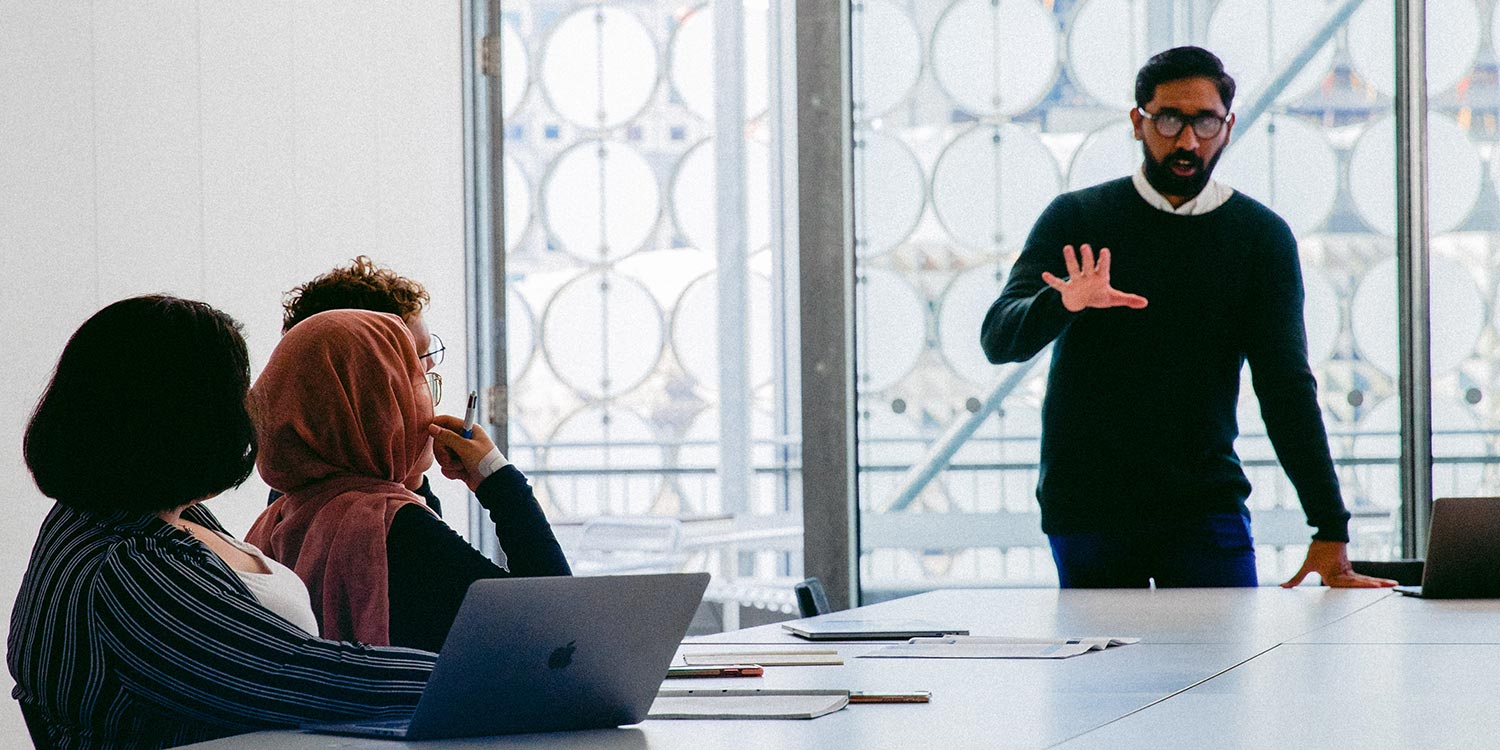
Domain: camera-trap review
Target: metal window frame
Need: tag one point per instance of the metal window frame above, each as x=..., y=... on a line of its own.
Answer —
x=825, y=194
x=1413, y=279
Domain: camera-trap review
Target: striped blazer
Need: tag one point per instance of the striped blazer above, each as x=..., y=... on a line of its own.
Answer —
x=128, y=633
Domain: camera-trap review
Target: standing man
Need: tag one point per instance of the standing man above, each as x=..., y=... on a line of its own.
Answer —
x=1156, y=289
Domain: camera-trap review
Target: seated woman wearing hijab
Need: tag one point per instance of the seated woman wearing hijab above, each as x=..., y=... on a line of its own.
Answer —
x=345, y=417
x=141, y=623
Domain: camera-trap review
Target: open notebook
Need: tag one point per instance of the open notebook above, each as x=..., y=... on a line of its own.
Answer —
x=997, y=647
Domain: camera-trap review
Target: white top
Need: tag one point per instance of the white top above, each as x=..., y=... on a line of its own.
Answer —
x=280, y=590
x=491, y=463
x=1213, y=195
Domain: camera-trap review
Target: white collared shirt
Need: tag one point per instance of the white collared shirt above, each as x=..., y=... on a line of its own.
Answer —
x=1213, y=195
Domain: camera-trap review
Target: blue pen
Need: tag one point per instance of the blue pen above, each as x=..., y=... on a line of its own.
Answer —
x=473, y=406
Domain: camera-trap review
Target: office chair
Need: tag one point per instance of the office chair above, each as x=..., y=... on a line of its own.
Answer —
x=1404, y=572
x=811, y=600
x=613, y=545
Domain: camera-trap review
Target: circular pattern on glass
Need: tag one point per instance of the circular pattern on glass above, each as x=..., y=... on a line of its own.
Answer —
x=995, y=57
x=1286, y=164
x=520, y=335
x=695, y=195
x=1452, y=44
x=891, y=193
x=692, y=60
x=599, y=67
x=1456, y=304
x=517, y=206
x=1378, y=434
x=1452, y=160
x=602, y=334
x=896, y=331
x=515, y=69
x=1108, y=153
x=960, y=314
x=600, y=201
x=1107, y=44
x=701, y=493
x=1255, y=38
x=1321, y=314
x=695, y=330
x=600, y=440
x=991, y=183
x=887, y=57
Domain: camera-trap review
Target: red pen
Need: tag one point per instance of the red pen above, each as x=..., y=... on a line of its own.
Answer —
x=720, y=670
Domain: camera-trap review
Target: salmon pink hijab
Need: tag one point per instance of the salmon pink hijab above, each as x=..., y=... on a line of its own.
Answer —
x=341, y=411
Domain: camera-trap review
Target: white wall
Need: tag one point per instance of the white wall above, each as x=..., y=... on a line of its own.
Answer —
x=219, y=151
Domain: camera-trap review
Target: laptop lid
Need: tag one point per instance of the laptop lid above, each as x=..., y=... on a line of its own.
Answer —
x=550, y=654
x=841, y=627
x=1463, y=549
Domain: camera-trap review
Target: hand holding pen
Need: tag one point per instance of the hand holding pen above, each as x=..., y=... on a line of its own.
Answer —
x=469, y=411
x=459, y=457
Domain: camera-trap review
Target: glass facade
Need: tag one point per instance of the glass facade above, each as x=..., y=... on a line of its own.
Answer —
x=614, y=331
x=651, y=334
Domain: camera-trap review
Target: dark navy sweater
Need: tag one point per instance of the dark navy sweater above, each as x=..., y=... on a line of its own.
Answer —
x=1138, y=424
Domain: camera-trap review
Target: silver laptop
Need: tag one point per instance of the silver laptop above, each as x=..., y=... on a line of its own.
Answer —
x=1463, y=550
x=549, y=654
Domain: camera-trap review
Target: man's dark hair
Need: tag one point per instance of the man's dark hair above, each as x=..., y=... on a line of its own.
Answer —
x=360, y=286
x=1178, y=63
x=146, y=410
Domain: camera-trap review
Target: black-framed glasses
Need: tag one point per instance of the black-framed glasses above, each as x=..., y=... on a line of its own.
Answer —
x=435, y=357
x=1169, y=124
x=434, y=383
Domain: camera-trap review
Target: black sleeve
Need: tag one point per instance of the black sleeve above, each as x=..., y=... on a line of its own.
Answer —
x=1029, y=314
x=431, y=566
x=425, y=491
x=1288, y=392
x=521, y=526
x=430, y=569
x=432, y=500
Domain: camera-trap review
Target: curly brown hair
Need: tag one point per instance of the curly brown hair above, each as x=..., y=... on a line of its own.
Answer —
x=360, y=286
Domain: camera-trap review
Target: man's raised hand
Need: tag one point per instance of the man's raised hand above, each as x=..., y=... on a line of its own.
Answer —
x=1087, y=284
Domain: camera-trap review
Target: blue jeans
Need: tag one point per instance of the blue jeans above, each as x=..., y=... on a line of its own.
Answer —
x=1209, y=551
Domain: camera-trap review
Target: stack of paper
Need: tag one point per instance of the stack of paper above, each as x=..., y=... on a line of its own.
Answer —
x=713, y=703
x=997, y=647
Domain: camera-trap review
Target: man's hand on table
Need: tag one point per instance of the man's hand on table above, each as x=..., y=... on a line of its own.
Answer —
x=1330, y=560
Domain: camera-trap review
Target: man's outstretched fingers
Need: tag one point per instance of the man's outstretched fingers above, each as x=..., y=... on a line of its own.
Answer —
x=1070, y=261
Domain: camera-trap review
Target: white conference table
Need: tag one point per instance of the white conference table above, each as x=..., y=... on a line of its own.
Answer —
x=1267, y=667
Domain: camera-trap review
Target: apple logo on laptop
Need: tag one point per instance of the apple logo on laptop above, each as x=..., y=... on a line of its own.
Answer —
x=562, y=656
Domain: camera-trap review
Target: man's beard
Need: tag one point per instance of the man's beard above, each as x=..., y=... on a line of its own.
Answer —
x=1167, y=182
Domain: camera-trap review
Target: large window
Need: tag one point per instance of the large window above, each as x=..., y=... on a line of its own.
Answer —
x=651, y=384
x=651, y=286
x=987, y=110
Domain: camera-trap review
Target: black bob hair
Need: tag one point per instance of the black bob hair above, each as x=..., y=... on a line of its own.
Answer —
x=1178, y=63
x=146, y=410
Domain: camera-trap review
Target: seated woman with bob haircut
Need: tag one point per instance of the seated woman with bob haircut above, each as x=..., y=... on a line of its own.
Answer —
x=141, y=623
x=344, y=411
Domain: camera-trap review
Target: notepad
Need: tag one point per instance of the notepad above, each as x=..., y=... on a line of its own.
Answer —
x=789, y=658
x=711, y=703
x=997, y=647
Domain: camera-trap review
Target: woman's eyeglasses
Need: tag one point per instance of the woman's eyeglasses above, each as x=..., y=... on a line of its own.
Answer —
x=434, y=383
x=435, y=357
